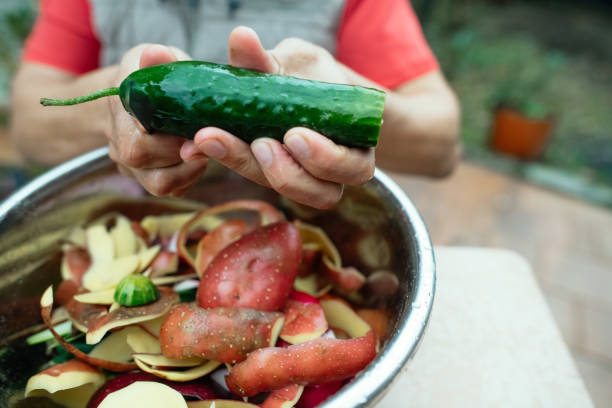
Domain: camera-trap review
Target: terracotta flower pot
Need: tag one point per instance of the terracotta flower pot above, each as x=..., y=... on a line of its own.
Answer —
x=519, y=136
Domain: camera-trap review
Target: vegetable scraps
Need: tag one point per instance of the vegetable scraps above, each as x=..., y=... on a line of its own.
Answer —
x=248, y=322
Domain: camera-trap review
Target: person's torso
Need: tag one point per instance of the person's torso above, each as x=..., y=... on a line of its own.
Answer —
x=202, y=27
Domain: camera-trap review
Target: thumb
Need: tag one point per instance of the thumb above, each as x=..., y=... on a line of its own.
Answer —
x=246, y=51
x=156, y=54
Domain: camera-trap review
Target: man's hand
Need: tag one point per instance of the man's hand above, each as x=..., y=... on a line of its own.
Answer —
x=307, y=167
x=153, y=159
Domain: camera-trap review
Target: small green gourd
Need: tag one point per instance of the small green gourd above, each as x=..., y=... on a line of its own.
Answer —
x=136, y=290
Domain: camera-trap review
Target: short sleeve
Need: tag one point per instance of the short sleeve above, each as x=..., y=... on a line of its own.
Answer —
x=383, y=41
x=63, y=37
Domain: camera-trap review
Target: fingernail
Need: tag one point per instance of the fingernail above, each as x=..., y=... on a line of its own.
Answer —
x=213, y=148
x=262, y=152
x=298, y=145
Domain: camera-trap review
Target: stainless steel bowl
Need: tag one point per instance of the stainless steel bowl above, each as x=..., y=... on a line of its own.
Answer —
x=33, y=220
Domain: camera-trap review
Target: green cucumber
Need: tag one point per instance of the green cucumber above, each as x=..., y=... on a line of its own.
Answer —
x=179, y=98
x=135, y=290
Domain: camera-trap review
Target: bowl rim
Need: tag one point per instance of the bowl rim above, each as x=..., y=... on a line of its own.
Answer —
x=367, y=388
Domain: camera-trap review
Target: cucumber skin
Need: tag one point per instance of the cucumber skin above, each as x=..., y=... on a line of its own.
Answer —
x=182, y=97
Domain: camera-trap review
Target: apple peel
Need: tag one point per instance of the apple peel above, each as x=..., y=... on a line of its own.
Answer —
x=144, y=394
x=346, y=278
x=124, y=239
x=70, y=384
x=339, y=314
x=220, y=403
x=166, y=280
x=75, y=262
x=303, y=321
x=165, y=263
x=115, y=347
x=99, y=297
x=142, y=341
x=314, y=395
x=310, y=284
x=159, y=360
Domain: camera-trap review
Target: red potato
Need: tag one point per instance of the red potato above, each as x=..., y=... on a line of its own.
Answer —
x=213, y=242
x=196, y=389
x=255, y=272
x=313, y=362
x=222, y=334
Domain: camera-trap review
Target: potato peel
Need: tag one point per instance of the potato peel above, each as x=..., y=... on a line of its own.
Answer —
x=46, y=305
x=180, y=376
x=125, y=316
x=71, y=383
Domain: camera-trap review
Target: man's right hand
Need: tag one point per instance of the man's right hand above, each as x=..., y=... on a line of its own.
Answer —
x=152, y=159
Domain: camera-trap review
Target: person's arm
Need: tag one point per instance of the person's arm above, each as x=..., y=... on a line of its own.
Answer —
x=420, y=132
x=50, y=136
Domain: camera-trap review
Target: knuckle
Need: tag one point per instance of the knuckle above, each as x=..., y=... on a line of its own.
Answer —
x=282, y=185
x=366, y=175
x=241, y=164
x=327, y=201
x=133, y=155
x=162, y=184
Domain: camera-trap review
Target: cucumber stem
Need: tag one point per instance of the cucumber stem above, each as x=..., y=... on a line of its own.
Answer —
x=80, y=99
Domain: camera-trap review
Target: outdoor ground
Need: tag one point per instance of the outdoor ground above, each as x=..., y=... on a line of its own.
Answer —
x=552, y=57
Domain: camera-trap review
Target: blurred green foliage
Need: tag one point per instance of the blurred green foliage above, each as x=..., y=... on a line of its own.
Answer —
x=16, y=20
x=546, y=59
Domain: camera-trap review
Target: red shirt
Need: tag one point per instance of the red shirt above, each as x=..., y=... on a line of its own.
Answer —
x=381, y=40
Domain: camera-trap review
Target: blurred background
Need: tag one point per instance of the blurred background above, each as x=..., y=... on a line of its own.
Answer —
x=535, y=82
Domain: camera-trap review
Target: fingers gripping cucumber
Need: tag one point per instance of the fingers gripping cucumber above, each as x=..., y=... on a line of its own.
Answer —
x=182, y=97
